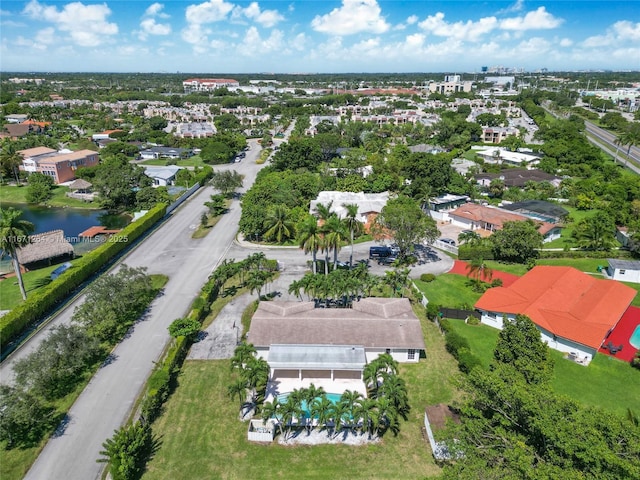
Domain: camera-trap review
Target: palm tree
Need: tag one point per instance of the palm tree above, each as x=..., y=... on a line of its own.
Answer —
x=278, y=224
x=309, y=238
x=338, y=413
x=14, y=234
x=238, y=389
x=367, y=415
x=320, y=410
x=289, y=411
x=479, y=270
x=324, y=211
x=9, y=162
x=295, y=288
x=629, y=138
x=351, y=401
x=353, y=225
x=394, y=389
x=242, y=355
x=272, y=410
x=335, y=233
x=469, y=237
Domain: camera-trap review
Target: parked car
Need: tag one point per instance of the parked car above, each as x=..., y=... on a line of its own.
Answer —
x=386, y=260
x=379, y=252
x=450, y=241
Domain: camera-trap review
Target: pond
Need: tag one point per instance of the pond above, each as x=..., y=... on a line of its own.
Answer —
x=72, y=221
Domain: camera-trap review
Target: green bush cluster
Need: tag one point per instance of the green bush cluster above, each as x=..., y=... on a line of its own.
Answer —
x=45, y=299
x=427, y=277
x=585, y=254
x=468, y=252
x=459, y=347
x=204, y=175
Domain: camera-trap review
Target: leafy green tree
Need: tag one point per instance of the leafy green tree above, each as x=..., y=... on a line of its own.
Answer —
x=57, y=365
x=470, y=238
x=148, y=197
x=227, y=122
x=128, y=451
x=595, y=232
x=10, y=162
x=157, y=123
x=14, y=234
x=114, y=302
x=630, y=137
x=217, y=206
x=24, y=418
x=184, y=327
x=117, y=180
x=479, y=270
x=517, y=241
x=227, y=182
x=216, y=152
x=519, y=345
x=298, y=153
x=405, y=221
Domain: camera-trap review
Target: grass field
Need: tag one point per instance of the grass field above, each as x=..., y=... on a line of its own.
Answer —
x=14, y=194
x=449, y=290
x=10, y=295
x=201, y=433
x=607, y=383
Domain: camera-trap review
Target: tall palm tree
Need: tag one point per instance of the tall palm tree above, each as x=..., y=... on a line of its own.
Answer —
x=351, y=401
x=272, y=410
x=353, y=225
x=309, y=238
x=242, y=355
x=14, y=234
x=279, y=226
x=339, y=412
x=238, y=389
x=324, y=211
x=469, y=237
x=335, y=233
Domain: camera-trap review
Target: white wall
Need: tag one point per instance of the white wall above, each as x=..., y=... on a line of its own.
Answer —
x=399, y=355
x=628, y=275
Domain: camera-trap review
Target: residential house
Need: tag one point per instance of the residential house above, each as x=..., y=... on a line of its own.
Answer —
x=447, y=202
x=60, y=165
x=517, y=177
x=574, y=311
x=103, y=135
x=498, y=134
x=502, y=156
x=165, y=152
x=538, y=210
x=472, y=216
x=369, y=204
x=162, y=176
x=623, y=270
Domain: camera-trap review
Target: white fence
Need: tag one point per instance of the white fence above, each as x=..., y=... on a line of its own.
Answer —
x=261, y=432
x=446, y=247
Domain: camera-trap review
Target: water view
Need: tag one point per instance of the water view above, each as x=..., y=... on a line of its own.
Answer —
x=72, y=221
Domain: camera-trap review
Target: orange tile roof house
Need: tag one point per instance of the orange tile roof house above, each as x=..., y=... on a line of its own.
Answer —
x=573, y=311
x=479, y=217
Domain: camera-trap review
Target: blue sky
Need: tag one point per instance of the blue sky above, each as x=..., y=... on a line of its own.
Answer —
x=319, y=36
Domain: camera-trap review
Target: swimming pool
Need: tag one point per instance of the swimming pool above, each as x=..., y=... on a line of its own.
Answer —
x=635, y=338
x=332, y=397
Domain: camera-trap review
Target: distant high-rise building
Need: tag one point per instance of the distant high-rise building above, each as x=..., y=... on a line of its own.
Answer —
x=484, y=69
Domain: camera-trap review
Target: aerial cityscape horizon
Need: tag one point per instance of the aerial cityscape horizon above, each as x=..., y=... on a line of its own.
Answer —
x=347, y=36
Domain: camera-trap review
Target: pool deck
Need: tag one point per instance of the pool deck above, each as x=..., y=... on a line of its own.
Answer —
x=285, y=385
x=621, y=335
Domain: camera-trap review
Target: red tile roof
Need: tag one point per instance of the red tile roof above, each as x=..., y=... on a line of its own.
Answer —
x=496, y=216
x=563, y=301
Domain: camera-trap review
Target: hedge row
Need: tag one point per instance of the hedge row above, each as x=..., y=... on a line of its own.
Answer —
x=46, y=298
x=161, y=380
x=585, y=254
x=204, y=175
x=467, y=252
x=459, y=347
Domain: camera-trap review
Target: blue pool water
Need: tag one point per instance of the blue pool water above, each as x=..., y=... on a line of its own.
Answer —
x=635, y=338
x=332, y=397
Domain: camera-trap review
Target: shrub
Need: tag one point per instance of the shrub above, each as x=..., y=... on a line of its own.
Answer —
x=433, y=310
x=471, y=320
x=427, y=277
x=184, y=327
x=467, y=361
x=468, y=252
x=454, y=343
x=496, y=282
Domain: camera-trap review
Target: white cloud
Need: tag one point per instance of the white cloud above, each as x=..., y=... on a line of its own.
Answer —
x=566, y=42
x=538, y=19
x=266, y=18
x=413, y=19
x=46, y=36
x=86, y=25
x=155, y=10
x=516, y=7
x=254, y=45
x=468, y=30
x=354, y=16
x=208, y=12
x=620, y=34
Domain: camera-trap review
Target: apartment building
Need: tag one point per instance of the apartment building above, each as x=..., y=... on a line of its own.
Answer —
x=59, y=165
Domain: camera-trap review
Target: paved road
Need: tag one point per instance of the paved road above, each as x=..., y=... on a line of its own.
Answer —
x=107, y=401
x=606, y=139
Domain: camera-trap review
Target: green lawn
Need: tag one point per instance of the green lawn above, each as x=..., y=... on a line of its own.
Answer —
x=194, y=161
x=607, y=383
x=201, y=433
x=449, y=290
x=566, y=239
x=10, y=291
x=15, y=194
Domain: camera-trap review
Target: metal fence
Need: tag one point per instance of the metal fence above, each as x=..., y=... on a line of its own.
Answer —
x=458, y=314
x=183, y=197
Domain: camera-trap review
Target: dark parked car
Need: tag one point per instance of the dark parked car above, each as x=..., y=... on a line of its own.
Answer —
x=379, y=252
x=450, y=241
x=386, y=260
